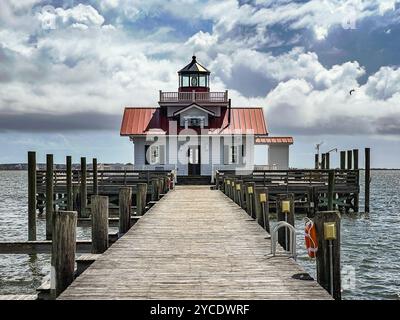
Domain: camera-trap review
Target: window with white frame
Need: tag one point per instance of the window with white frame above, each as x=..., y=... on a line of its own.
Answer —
x=152, y=154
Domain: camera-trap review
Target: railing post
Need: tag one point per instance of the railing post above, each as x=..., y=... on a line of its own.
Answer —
x=63, y=251
x=327, y=226
x=125, y=201
x=70, y=200
x=31, y=195
x=49, y=195
x=99, y=205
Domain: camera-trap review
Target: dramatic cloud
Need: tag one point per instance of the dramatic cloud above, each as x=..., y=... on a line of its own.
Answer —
x=64, y=63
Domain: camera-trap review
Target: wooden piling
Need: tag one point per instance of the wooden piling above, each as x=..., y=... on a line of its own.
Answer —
x=316, y=161
x=356, y=194
x=367, y=177
x=327, y=161
x=312, y=201
x=70, y=200
x=323, y=161
x=63, y=251
x=125, y=201
x=283, y=233
x=331, y=189
x=95, y=182
x=327, y=279
x=49, y=195
x=250, y=198
x=349, y=160
x=83, y=213
x=141, y=198
x=31, y=195
x=343, y=160
x=99, y=206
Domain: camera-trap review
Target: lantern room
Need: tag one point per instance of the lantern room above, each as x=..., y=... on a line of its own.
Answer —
x=194, y=77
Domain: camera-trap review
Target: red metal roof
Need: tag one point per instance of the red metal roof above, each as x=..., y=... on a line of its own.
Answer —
x=274, y=140
x=138, y=121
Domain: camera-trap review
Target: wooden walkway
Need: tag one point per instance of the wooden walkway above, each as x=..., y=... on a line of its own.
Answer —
x=195, y=243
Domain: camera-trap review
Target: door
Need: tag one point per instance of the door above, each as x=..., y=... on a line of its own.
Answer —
x=194, y=160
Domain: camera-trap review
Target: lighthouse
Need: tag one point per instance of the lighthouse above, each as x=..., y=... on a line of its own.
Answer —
x=196, y=131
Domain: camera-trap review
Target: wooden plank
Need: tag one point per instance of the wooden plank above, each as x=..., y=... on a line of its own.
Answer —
x=195, y=243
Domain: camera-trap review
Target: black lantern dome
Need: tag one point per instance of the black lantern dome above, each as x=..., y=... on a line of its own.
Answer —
x=194, y=77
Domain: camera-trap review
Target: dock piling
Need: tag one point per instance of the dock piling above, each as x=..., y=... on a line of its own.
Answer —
x=141, y=197
x=63, y=251
x=83, y=211
x=367, y=177
x=31, y=195
x=99, y=206
x=70, y=200
x=125, y=201
x=349, y=159
x=49, y=195
x=342, y=160
x=327, y=224
x=95, y=181
x=331, y=189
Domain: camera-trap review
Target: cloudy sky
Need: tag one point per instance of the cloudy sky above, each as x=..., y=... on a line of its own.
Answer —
x=67, y=69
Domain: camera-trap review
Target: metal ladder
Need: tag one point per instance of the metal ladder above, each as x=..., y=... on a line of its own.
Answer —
x=292, y=243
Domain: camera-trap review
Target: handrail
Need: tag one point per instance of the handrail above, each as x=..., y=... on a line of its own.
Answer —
x=193, y=96
x=274, y=238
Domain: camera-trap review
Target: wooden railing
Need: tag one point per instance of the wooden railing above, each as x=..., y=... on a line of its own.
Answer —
x=104, y=177
x=343, y=178
x=218, y=97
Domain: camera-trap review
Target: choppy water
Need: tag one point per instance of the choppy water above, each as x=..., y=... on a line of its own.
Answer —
x=370, y=243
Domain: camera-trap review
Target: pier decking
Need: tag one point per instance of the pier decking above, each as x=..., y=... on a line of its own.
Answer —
x=195, y=243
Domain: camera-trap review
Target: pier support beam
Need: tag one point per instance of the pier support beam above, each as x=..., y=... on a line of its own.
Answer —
x=49, y=195
x=125, y=201
x=283, y=215
x=328, y=254
x=99, y=206
x=31, y=195
x=63, y=251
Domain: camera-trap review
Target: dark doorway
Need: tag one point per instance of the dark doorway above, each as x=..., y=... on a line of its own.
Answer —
x=194, y=160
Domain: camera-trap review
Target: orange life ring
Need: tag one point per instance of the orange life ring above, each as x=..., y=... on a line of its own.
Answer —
x=311, y=239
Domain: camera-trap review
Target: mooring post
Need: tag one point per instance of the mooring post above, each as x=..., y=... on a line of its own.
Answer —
x=367, y=177
x=99, y=206
x=239, y=198
x=83, y=212
x=154, y=189
x=141, y=198
x=285, y=212
x=95, y=178
x=327, y=225
x=70, y=200
x=63, y=251
x=323, y=161
x=331, y=189
x=342, y=160
x=349, y=159
x=356, y=194
x=49, y=195
x=327, y=161
x=250, y=199
x=32, y=196
x=125, y=201
x=316, y=161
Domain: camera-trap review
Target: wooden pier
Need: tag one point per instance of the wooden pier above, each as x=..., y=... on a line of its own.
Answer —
x=195, y=243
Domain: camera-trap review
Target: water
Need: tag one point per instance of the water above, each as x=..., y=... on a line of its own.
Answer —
x=370, y=243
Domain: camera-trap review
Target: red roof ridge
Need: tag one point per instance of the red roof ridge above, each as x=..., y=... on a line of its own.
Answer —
x=131, y=107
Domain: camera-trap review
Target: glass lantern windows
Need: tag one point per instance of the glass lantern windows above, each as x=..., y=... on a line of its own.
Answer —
x=194, y=80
